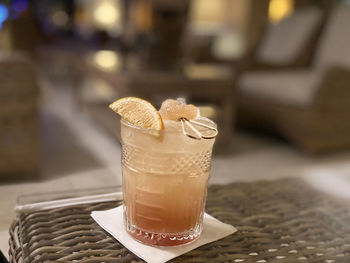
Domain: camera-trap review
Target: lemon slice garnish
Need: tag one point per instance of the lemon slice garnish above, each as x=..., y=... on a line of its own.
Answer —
x=138, y=112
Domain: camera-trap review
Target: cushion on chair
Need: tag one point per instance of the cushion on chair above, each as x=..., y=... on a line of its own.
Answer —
x=294, y=88
x=284, y=41
x=334, y=49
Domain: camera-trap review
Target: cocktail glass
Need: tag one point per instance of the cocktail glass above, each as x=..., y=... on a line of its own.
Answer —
x=165, y=176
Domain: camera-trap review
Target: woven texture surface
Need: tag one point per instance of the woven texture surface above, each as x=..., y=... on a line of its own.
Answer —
x=277, y=221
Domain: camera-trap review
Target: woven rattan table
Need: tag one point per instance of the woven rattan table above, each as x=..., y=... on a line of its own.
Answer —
x=277, y=221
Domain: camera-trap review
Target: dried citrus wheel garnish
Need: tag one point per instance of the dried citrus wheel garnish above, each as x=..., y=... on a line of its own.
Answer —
x=138, y=112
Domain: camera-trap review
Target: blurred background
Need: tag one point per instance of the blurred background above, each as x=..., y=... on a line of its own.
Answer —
x=274, y=75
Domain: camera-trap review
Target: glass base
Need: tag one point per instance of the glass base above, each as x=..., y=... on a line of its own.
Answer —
x=163, y=239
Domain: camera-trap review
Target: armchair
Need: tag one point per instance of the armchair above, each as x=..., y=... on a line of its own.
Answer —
x=19, y=117
x=311, y=106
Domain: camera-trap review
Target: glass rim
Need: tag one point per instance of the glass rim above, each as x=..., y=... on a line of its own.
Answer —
x=152, y=131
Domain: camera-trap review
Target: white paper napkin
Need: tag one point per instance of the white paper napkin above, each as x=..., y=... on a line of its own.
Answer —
x=112, y=221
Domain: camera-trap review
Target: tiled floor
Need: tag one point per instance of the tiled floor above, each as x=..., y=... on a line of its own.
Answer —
x=77, y=153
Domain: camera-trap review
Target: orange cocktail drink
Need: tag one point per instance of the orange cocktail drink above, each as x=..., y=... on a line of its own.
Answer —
x=165, y=175
x=164, y=184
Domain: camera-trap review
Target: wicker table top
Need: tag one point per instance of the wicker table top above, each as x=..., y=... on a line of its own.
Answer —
x=277, y=221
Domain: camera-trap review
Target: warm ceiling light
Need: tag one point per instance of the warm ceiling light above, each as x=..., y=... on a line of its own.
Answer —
x=106, y=14
x=106, y=59
x=279, y=9
x=207, y=15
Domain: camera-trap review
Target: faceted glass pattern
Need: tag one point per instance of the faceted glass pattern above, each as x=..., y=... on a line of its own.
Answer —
x=164, y=185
